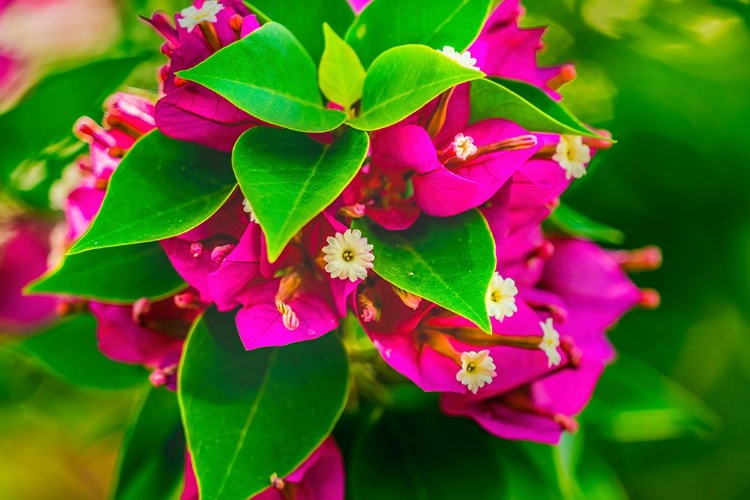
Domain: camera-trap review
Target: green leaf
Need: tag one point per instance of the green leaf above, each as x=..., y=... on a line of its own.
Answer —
x=162, y=188
x=289, y=178
x=524, y=104
x=250, y=414
x=269, y=75
x=448, y=261
x=341, y=75
x=574, y=223
x=37, y=132
x=118, y=275
x=633, y=402
x=152, y=456
x=436, y=23
x=425, y=456
x=69, y=349
x=304, y=18
x=402, y=80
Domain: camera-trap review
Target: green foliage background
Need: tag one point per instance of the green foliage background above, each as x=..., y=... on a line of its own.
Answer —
x=671, y=80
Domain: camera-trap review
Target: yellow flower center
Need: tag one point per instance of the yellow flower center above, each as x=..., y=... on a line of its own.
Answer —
x=348, y=255
x=471, y=367
x=496, y=296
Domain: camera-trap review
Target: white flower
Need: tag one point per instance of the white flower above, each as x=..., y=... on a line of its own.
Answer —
x=348, y=255
x=462, y=58
x=550, y=342
x=501, y=297
x=463, y=146
x=572, y=155
x=477, y=369
x=249, y=211
x=193, y=16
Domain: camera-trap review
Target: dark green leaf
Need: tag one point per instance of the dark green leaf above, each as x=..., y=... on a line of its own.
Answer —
x=533, y=470
x=305, y=18
x=524, y=104
x=448, y=261
x=37, y=132
x=251, y=414
x=162, y=188
x=69, y=349
x=402, y=80
x=425, y=457
x=436, y=23
x=289, y=178
x=574, y=223
x=633, y=402
x=118, y=274
x=341, y=75
x=152, y=456
x=269, y=75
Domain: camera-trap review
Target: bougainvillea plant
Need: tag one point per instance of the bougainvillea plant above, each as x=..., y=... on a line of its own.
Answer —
x=331, y=213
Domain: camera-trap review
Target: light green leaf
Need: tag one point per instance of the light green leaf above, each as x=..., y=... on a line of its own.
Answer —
x=633, y=402
x=118, y=275
x=250, y=414
x=402, y=80
x=448, y=261
x=436, y=23
x=341, y=75
x=304, y=18
x=425, y=456
x=269, y=75
x=575, y=223
x=289, y=178
x=152, y=456
x=162, y=188
x=524, y=104
x=69, y=349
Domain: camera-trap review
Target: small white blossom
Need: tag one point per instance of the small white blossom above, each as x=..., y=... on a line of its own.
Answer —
x=249, y=211
x=550, y=342
x=462, y=58
x=193, y=16
x=477, y=369
x=348, y=255
x=463, y=146
x=501, y=297
x=572, y=155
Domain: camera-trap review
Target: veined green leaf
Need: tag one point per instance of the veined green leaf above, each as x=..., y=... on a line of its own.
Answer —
x=269, y=75
x=402, y=80
x=341, y=75
x=118, y=275
x=385, y=24
x=448, y=261
x=162, y=188
x=250, y=414
x=524, y=104
x=289, y=178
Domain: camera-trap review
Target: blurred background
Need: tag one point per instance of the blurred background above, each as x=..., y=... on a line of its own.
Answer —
x=669, y=78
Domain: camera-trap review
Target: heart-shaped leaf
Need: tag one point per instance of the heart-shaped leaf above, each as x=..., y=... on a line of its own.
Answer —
x=341, y=75
x=524, y=104
x=251, y=414
x=436, y=23
x=118, y=275
x=162, y=188
x=402, y=80
x=448, y=261
x=152, y=456
x=269, y=75
x=289, y=178
x=68, y=349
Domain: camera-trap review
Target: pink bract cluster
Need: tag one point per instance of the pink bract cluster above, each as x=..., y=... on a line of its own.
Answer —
x=551, y=299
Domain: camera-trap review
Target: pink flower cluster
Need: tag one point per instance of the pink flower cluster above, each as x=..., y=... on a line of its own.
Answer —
x=551, y=299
